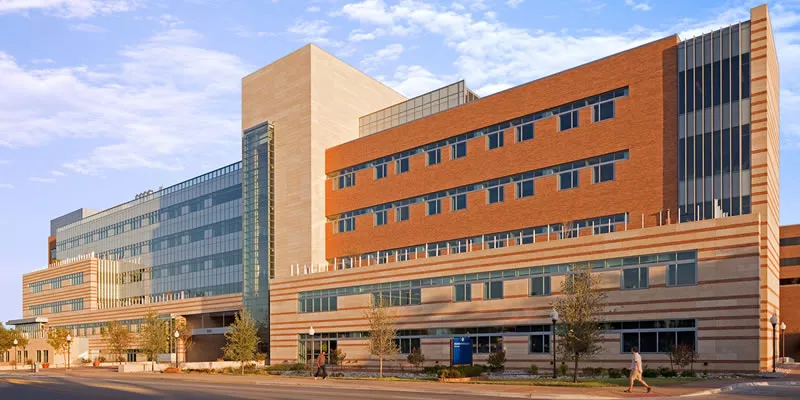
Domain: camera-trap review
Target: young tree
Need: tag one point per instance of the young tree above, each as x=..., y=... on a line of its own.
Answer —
x=185, y=332
x=337, y=357
x=382, y=333
x=154, y=337
x=57, y=339
x=579, y=309
x=242, y=339
x=117, y=337
x=6, y=339
x=682, y=355
x=416, y=358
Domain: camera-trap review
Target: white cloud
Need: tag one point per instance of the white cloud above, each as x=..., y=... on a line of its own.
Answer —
x=6, y=186
x=389, y=53
x=69, y=8
x=312, y=9
x=41, y=180
x=414, y=80
x=164, y=101
x=87, y=28
x=358, y=35
x=42, y=61
x=311, y=31
x=57, y=173
x=638, y=6
x=241, y=31
x=514, y=3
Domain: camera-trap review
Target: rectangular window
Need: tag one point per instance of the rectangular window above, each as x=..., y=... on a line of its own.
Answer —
x=398, y=298
x=568, y=120
x=539, y=344
x=635, y=278
x=380, y=218
x=434, y=206
x=525, y=188
x=487, y=344
x=407, y=345
x=540, y=286
x=603, y=111
x=495, y=195
x=458, y=150
x=347, y=180
x=346, y=225
x=462, y=292
x=568, y=180
x=380, y=171
x=603, y=173
x=401, y=165
x=458, y=202
x=524, y=132
x=401, y=213
x=682, y=274
x=434, y=157
x=494, y=140
x=493, y=290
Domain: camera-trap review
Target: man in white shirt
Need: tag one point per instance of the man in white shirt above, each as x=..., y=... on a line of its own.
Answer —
x=636, y=371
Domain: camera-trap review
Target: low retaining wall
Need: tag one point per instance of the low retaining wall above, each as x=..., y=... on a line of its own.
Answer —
x=148, y=366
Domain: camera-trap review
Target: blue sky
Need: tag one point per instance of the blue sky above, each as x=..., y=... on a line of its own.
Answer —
x=100, y=100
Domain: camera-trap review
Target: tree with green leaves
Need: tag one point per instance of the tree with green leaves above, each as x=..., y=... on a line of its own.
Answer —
x=579, y=309
x=242, y=339
x=154, y=337
x=382, y=333
x=117, y=337
x=57, y=339
x=6, y=339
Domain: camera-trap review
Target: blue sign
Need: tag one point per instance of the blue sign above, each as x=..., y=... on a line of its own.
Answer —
x=462, y=351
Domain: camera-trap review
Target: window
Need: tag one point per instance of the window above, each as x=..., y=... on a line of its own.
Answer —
x=525, y=188
x=462, y=292
x=380, y=218
x=434, y=157
x=458, y=202
x=459, y=246
x=540, y=286
x=434, y=206
x=682, y=274
x=657, y=340
x=493, y=290
x=487, y=344
x=603, y=111
x=319, y=304
x=539, y=344
x=524, y=132
x=397, y=298
x=407, y=345
x=346, y=225
x=635, y=278
x=380, y=171
x=401, y=165
x=496, y=240
x=458, y=150
x=568, y=120
x=568, y=180
x=494, y=140
x=603, y=173
x=347, y=180
x=495, y=195
x=401, y=213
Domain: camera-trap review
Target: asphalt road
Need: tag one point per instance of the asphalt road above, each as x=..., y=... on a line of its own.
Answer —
x=761, y=393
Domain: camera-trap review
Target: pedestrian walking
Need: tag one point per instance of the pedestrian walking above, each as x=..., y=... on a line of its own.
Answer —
x=321, y=366
x=636, y=371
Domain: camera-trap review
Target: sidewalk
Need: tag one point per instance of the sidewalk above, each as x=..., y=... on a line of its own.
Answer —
x=488, y=390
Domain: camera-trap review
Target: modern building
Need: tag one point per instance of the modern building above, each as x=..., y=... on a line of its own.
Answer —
x=790, y=290
x=657, y=166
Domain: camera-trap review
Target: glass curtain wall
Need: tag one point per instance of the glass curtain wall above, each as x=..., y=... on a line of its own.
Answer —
x=714, y=124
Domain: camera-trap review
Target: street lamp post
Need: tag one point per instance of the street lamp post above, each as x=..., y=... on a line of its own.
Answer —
x=177, y=335
x=16, y=357
x=69, y=349
x=311, y=361
x=554, y=317
x=783, y=340
x=774, y=322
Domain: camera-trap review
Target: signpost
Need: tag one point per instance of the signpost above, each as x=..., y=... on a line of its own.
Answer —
x=462, y=351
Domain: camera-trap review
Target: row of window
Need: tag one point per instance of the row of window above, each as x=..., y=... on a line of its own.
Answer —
x=55, y=283
x=56, y=306
x=196, y=204
x=602, y=108
x=206, y=291
x=602, y=167
x=599, y=225
x=792, y=241
x=790, y=261
x=680, y=272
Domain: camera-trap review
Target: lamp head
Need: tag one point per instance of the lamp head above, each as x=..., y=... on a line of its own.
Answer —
x=774, y=320
x=310, y=331
x=783, y=326
x=177, y=334
x=554, y=315
x=69, y=337
x=16, y=342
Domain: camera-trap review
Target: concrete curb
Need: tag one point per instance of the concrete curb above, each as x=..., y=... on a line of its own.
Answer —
x=743, y=385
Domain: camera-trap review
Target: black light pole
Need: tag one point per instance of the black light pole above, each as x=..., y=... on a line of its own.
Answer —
x=16, y=357
x=554, y=317
x=177, y=335
x=774, y=322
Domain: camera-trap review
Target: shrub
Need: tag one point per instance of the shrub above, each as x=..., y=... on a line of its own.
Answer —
x=588, y=371
x=600, y=371
x=563, y=369
x=625, y=372
x=687, y=373
x=450, y=373
x=533, y=369
x=434, y=370
x=101, y=359
x=471, y=370
x=667, y=373
x=614, y=373
x=649, y=372
x=497, y=360
x=287, y=367
x=416, y=358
